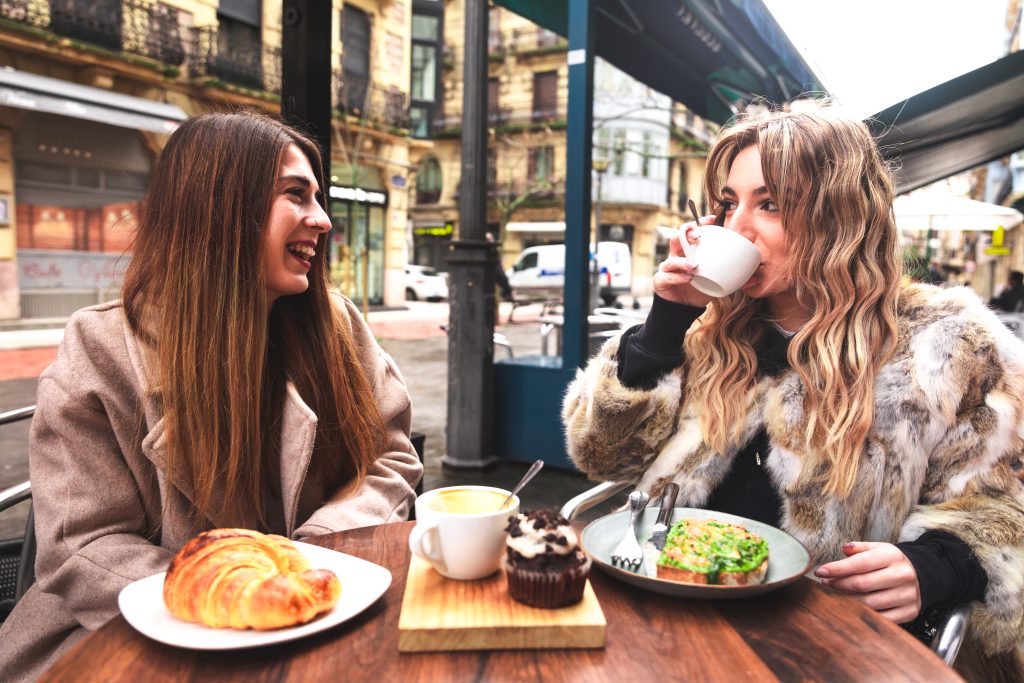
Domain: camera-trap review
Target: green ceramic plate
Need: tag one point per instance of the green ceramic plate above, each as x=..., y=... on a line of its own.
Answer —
x=788, y=560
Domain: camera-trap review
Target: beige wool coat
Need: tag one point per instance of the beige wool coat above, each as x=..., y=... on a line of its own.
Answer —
x=105, y=513
x=945, y=452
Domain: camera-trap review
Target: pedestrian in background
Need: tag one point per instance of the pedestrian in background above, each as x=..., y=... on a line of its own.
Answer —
x=1011, y=299
x=230, y=389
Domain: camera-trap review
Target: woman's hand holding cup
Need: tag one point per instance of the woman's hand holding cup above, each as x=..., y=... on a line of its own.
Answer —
x=673, y=281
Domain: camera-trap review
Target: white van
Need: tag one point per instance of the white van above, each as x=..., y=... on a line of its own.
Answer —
x=539, y=272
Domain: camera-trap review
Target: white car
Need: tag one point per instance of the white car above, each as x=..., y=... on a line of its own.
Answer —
x=423, y=282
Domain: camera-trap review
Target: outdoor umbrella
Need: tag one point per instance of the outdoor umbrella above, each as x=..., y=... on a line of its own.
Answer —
x=938, y=211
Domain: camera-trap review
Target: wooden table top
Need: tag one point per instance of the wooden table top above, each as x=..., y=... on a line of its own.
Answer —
x=800, y=632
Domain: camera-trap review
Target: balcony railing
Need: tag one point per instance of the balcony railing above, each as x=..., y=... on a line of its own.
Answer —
x=150, y=29
x=254, y=66
x=356, y=96
x=522, y=41
x=140, y=27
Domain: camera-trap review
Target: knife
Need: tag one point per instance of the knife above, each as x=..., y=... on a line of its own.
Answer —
x=654, y=544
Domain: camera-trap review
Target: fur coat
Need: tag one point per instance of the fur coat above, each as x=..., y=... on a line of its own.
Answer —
x=944, y=452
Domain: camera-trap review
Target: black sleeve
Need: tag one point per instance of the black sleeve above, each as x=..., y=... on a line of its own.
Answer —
x=650, y=350
x=947, y=571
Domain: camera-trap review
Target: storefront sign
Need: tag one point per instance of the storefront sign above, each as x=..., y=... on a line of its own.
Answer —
x=358, y=194
x=46, y=269
x=436, y=230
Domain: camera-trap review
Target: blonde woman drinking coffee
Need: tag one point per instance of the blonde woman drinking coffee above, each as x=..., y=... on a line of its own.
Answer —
x=879, y=424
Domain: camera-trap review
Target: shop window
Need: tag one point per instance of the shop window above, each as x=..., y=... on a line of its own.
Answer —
x=355, y=58
x=545, y=96
x=428, y=181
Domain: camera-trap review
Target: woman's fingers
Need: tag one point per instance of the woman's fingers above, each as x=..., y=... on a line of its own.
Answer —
x=895, y=605
x=878, y=575
x=692, y=232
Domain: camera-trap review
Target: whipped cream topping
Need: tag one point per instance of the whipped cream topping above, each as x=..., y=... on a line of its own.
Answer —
x=532, y=537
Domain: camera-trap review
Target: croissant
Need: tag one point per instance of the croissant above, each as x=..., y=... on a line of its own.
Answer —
x=237, y=578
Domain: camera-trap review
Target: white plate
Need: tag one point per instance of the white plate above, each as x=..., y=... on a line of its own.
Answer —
x=362, y=582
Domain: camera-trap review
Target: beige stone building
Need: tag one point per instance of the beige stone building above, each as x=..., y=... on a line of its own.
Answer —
x=655, y=151
x=90, y=89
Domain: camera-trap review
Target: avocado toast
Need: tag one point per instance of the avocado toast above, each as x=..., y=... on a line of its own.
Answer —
x=707, y=551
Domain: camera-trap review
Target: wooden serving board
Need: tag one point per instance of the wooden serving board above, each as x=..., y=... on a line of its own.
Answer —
x=441, y=614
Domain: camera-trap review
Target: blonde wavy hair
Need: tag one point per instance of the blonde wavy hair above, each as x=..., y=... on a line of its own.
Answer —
x=835, y=196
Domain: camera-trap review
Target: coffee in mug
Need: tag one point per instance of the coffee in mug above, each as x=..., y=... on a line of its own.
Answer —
x=725, y=260
x=460, y=530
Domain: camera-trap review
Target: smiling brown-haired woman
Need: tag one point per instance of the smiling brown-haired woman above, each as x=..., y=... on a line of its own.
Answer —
x=229, y=389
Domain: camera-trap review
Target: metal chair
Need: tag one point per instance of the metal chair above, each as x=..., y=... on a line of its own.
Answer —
x=17, y=555
x=950, y=632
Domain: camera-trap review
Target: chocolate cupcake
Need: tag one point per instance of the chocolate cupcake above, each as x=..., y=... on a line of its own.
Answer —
x=544, y=564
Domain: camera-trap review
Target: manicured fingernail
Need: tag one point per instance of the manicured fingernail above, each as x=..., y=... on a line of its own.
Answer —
x=849, y=546
x=821, y=572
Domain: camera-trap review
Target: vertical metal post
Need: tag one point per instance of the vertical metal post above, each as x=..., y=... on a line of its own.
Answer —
x=579, y=145
x=306, y=71
x=471, y=263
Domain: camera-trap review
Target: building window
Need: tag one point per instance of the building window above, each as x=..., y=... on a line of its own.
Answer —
x=419, y=122
x=355, y=58
x=239, y=56
x=424, y=72
x=425, y=79
x=493, y=101
x=545, y=96
x=619, y=153
x=492, y=168
x=646, y=163
x=428, y=181
x=541, y=167
x=683, y=196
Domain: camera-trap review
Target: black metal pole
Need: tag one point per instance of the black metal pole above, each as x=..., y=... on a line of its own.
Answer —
x=306, y=72
x=471, y=263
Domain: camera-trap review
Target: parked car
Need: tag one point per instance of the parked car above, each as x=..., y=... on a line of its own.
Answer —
x=423, y=282
x=539, y=272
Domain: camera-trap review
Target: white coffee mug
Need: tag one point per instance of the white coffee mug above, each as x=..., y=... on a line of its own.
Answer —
x=725, y=260
x=462, y=540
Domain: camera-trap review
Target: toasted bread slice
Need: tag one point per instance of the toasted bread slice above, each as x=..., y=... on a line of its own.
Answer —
x=708, y=551
x=752, y=577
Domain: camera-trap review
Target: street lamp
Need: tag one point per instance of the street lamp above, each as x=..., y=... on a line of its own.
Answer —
x=600, y=167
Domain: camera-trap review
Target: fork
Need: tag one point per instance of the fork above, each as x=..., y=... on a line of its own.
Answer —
x=627, y=553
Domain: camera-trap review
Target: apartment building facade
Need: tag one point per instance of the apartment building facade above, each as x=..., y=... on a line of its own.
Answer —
x=655, y=161
x=89, y=91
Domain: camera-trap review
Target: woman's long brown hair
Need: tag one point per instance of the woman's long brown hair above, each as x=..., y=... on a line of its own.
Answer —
x=835, y=196
x=195, y=292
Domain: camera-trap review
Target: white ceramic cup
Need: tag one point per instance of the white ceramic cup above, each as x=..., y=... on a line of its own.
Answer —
x=725, y=259
x=461, y=545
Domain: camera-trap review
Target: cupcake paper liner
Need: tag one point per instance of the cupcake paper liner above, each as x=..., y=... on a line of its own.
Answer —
x=547, y=589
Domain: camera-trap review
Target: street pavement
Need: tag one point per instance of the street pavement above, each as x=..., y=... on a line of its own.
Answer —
x=413, y=336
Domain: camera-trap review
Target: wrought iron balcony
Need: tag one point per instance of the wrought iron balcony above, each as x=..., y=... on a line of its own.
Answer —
x=140, y=27
x=385, y=106
x=252, y=65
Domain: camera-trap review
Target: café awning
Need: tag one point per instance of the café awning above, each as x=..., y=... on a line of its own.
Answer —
x=714, y=57
x=51, y=95
x=965, y=122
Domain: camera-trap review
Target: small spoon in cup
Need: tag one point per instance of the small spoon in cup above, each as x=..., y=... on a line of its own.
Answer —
x=530, y=474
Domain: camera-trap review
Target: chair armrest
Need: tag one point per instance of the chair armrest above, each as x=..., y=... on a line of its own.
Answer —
x=592, y=497
x=952, y=631
x=15, y=494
